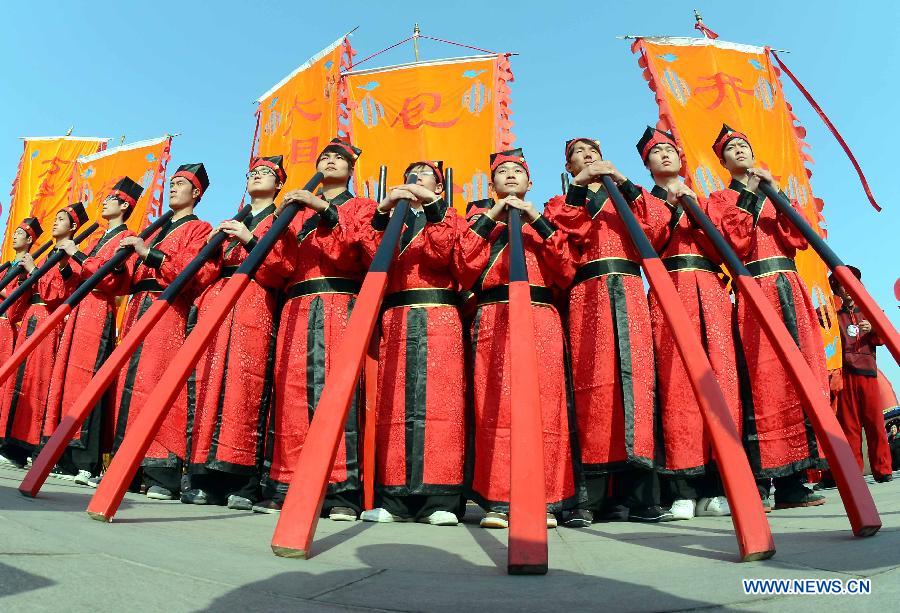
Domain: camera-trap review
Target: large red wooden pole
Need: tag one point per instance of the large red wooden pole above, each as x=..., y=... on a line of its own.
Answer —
x=527, y=550
x=751, y=528
x=296, y=525
x=857, y=499
x=140, y=434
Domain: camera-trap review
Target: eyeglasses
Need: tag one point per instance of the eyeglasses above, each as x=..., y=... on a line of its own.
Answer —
x=260, y=172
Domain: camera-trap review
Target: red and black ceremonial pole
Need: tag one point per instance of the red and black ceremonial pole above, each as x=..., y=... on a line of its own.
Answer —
x=527, y=551
x=751, y=528
x=139, y=435
x=296, y=526
x=90, y=396
x=62, y=311
x=15, y=271
x=857, y=499
x=861, y=297
x=370, y=375
x=53, y=259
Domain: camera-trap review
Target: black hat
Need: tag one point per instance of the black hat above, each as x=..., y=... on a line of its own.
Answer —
x=275, y=162
x=436, y=165
x=128, y=190
x=342, y=146
x=512, y=155
x=32, y=227
x=651, y=138
x=196, y=174
x=76, y=213
x=726, y=134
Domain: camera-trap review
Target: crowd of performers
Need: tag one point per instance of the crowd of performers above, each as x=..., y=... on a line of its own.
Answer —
x=623, y=437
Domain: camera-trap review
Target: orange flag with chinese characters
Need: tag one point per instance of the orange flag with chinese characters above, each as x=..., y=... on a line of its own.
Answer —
x=702, y=83
x=43, y=183
x=455, y=110
x=298, y=116
x=144, y=162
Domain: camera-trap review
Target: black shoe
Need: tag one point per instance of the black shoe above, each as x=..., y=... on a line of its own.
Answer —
x=824, y=484
x=654, y=514
x=618, y=512
x=195, y=496
x=799, y=497
x=577, y=518
x=883, y=478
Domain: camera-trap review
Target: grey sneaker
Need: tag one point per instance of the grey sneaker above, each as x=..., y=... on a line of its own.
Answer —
x=156, y=492
x=239, y=503
x=342, y=514
x=82, y=478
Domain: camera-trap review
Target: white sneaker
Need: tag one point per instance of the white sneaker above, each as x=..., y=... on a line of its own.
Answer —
x=684, y=508
x=58, y=474
x=713, y=507
x=440, y=518
x=492, y=519
x=379, y=515
x=82, y=478
x=551, y=521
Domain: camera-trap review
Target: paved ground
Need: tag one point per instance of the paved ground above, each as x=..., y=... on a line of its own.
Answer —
x=174, y=557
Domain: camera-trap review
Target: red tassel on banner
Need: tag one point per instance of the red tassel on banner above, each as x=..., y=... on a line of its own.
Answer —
x=837, y=135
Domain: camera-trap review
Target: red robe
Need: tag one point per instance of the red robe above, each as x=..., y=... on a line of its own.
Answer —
x=171, y=249
x=235, y=374
x=859, y=401
x=777, y=435
x=24, y=400
x=609, y=326
x=88, y=338
x=420, y=407
x=483, y=260
x=693, y=264
x=9, y=321
x=326, y=276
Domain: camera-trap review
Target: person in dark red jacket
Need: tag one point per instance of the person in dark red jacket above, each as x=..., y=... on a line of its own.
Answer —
x=89, y=336
x=778, y=437
x=859, y=406
x=234, y=375
x=156, y=264
x=23, y=240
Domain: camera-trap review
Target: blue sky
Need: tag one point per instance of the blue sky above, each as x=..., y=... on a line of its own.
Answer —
x=146, y=69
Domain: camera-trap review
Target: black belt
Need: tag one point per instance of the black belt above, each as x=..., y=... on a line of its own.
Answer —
x=689, y=261
x=421, y=297
x=146, y=285
x=539, y=294
x=324, y=285
x=36, y=299
x=769, y=266
x=606, y=266
x=227, y=271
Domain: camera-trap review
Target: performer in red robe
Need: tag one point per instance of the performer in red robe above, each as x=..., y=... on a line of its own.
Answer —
x=778, y=437
x=859, y=401
x=24, y=238
x=483, y=256
x=235, y=374
x=611, y=339
x=157, y=263
x=420, y=406
x=89, y=337
x=692, y=479
x=24, y=398
x=325, y=278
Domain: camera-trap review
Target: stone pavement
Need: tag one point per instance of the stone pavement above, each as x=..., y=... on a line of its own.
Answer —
x=173, y=557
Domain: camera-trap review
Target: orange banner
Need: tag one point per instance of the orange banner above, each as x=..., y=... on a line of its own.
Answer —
x=298, y=116
x=699, y=85
x=44, y=181
x=454, y=110
x=144, y=162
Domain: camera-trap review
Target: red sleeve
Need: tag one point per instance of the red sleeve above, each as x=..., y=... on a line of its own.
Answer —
x=117, y=282
x=440, y=240
x=551, y=244
x=703, y=241
x=363, y=237
x=179, y=252
x=789, y=235
x=211, y=268
x=56, y=285
x=735, y=224
x=339, y=233
x=473, y=249
x=654, y=216
x=573, y=219
x=278, y=265
x=18, y=308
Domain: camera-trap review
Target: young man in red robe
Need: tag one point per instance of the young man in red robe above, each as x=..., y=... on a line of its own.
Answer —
x=483, y=256
x=859, y=402
x=157, y=263
x=687, y=461
x=235, y=374
x=24, y=397
x=325, y=277
x=420, y=406
x=23, y=240
x=778, y=437
x=89, y=336
x=610, y=336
